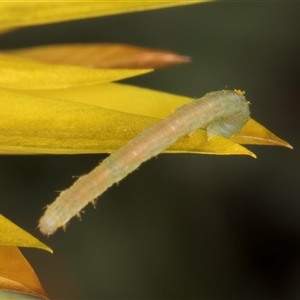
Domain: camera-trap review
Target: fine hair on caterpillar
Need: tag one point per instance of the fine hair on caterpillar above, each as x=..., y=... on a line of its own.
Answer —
x=220, y=113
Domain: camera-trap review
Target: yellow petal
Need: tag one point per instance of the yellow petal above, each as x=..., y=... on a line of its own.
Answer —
x=198, y=143
x=21, y=73
x=15, y=13
x=12, y=235
x=119, y=97
x=17, y=275
x=32, y=124
x=256, y=134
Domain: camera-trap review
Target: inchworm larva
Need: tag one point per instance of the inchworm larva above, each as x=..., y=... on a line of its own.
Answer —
x=222, y=112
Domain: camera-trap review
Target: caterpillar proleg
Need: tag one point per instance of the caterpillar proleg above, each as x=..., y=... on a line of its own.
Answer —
x=220, y=113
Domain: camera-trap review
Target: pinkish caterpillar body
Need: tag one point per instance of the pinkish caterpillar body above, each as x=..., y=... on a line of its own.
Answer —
x=222, y=112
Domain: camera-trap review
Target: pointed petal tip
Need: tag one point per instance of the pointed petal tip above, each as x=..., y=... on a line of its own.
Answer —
x=185, y=59
x=175, y=58
x=282, y=143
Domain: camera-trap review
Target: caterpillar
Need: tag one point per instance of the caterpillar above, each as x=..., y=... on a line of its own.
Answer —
x=221, y=113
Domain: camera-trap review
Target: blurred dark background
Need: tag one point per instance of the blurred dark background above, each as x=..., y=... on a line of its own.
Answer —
x=182, y=226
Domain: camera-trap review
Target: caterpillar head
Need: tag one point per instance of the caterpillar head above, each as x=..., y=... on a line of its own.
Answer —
x=231, y=101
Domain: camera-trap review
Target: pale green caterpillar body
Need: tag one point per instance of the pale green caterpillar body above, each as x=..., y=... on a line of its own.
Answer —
x=220, y=113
